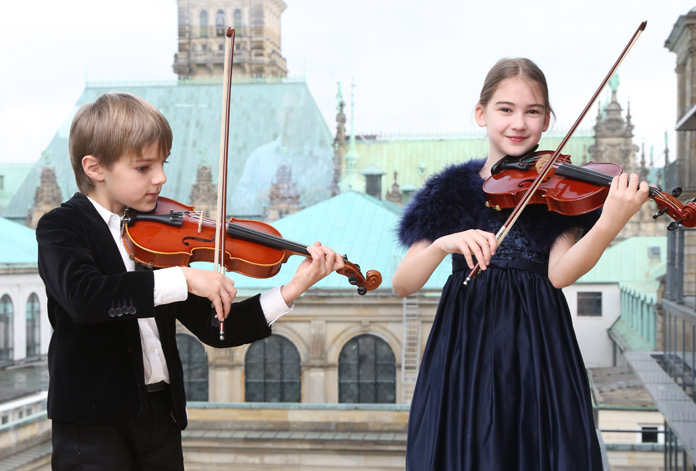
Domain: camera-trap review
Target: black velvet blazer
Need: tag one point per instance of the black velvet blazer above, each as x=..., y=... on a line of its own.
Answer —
x=95, y=357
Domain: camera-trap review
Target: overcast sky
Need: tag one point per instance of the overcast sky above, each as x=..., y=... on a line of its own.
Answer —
x=417, y=66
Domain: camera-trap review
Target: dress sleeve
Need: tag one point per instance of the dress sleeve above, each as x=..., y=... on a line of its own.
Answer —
x=449, y=202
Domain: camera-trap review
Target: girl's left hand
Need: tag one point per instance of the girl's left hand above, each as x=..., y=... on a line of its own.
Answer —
x=323, y=261
x=626, y=195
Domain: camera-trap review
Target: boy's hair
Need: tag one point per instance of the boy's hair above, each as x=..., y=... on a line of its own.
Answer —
x=517, y=67
x=116, y=124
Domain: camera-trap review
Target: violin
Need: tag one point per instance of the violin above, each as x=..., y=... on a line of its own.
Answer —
x=173, y=234
x=571, y=189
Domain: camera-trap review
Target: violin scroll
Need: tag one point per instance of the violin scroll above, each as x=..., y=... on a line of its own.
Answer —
x=683, y=214
x=370, y=281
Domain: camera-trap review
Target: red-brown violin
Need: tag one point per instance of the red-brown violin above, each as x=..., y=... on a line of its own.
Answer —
x=176, y=235
x=571, y=189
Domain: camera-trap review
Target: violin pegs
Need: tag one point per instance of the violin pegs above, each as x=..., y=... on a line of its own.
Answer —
x=677, y=191
x=659, y=213
x=674, y=225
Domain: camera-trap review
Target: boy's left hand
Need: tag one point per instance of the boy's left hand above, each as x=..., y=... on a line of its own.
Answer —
x=323, y=261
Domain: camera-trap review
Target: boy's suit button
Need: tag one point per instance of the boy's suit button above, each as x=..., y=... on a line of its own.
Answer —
x=132, y=310
x=112, y=312
x=119, y=311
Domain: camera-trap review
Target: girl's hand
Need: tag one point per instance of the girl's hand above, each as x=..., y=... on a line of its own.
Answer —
x=626, y=196
x=470, y=243
x=212, y=285
x=323, y=261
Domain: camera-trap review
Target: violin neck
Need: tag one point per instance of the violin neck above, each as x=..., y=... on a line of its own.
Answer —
x=267, y=240
x=587, y=175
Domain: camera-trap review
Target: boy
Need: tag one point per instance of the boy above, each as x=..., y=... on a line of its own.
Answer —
x=116, y=395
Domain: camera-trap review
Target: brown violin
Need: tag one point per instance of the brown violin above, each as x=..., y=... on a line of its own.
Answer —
x=571, y=189
x=176, y=235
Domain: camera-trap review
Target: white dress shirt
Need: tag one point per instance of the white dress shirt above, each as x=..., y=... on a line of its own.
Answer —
x=170, y=287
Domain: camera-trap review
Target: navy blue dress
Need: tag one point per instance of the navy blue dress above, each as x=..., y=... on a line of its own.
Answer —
x=502, y=384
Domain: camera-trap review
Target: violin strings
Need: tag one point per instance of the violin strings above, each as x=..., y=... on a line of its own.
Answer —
x=258, y=236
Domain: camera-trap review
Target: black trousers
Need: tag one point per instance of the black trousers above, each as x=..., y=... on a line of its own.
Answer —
x=151, y=442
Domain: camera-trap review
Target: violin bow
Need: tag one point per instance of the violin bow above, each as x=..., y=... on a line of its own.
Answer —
x=517, y=211
x=221, y=216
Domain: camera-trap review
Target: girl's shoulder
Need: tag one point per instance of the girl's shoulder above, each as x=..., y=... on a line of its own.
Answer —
x=445, y=197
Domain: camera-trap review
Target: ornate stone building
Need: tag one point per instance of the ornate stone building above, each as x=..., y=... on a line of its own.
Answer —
x=202, y=28
x=46, y=197
x=613, y=134
x=284, y=199
x=204, y=191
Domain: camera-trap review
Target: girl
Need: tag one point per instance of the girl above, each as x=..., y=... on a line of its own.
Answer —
x=502, y=384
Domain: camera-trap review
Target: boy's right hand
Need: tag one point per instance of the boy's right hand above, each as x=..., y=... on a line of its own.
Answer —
x=470, y=243
x=215, y=286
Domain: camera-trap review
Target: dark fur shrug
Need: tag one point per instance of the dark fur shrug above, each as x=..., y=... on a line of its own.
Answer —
x=452, y=201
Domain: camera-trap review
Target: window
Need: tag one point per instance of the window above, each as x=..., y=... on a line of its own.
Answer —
x=272, y=371
x=237, y=21
x=6, y=328
x=33, y=326
x=590, y=303
x=366, y=371
x=203, y=28
x=195, y=363
x=654, y=253
x=220, y=29
x=649, y=434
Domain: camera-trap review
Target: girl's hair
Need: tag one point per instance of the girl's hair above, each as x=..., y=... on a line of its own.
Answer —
x=116, y=124
x=510, y=68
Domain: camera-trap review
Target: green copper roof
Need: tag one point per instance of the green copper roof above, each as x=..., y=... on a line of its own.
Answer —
x=353, y=224
x=417, y=157
x=18, y=246
x=629, y=338
x=11, y=177
x=270, y=124
x=632, y=260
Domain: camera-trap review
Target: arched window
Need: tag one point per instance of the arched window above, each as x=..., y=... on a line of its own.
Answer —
x=220, y=28
x=195, y=363
x=272, y=371
x=6, y=329
x=33, y=326
x=366, y=371
x=203, y=24
x=237, y=19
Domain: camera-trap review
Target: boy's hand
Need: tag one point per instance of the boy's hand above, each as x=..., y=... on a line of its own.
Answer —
x=323, y=261
x=212, y=285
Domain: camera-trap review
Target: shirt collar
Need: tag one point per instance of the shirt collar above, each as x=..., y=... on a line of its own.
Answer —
x=106, y=215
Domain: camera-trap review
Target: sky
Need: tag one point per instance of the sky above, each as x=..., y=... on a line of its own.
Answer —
x=411, y=67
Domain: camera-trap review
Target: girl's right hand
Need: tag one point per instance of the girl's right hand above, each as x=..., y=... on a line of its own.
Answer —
x=470, y=243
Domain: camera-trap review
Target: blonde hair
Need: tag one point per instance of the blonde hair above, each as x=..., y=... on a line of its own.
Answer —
x=510, y=68
x=116, y=124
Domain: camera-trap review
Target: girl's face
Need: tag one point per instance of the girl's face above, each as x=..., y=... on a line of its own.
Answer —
x=515, y=116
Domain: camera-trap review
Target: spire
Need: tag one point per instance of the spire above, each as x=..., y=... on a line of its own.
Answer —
x=47, y=195
x=395, y=195
x=339, y=144
x=643, y=172
x=204, y=192
x=283, y=198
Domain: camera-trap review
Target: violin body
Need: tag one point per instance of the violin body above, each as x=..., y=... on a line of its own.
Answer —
x=560, y=193
x=175, y=235
x=570, y=189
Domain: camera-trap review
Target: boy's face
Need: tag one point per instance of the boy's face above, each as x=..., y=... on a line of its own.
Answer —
x=133, y=181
